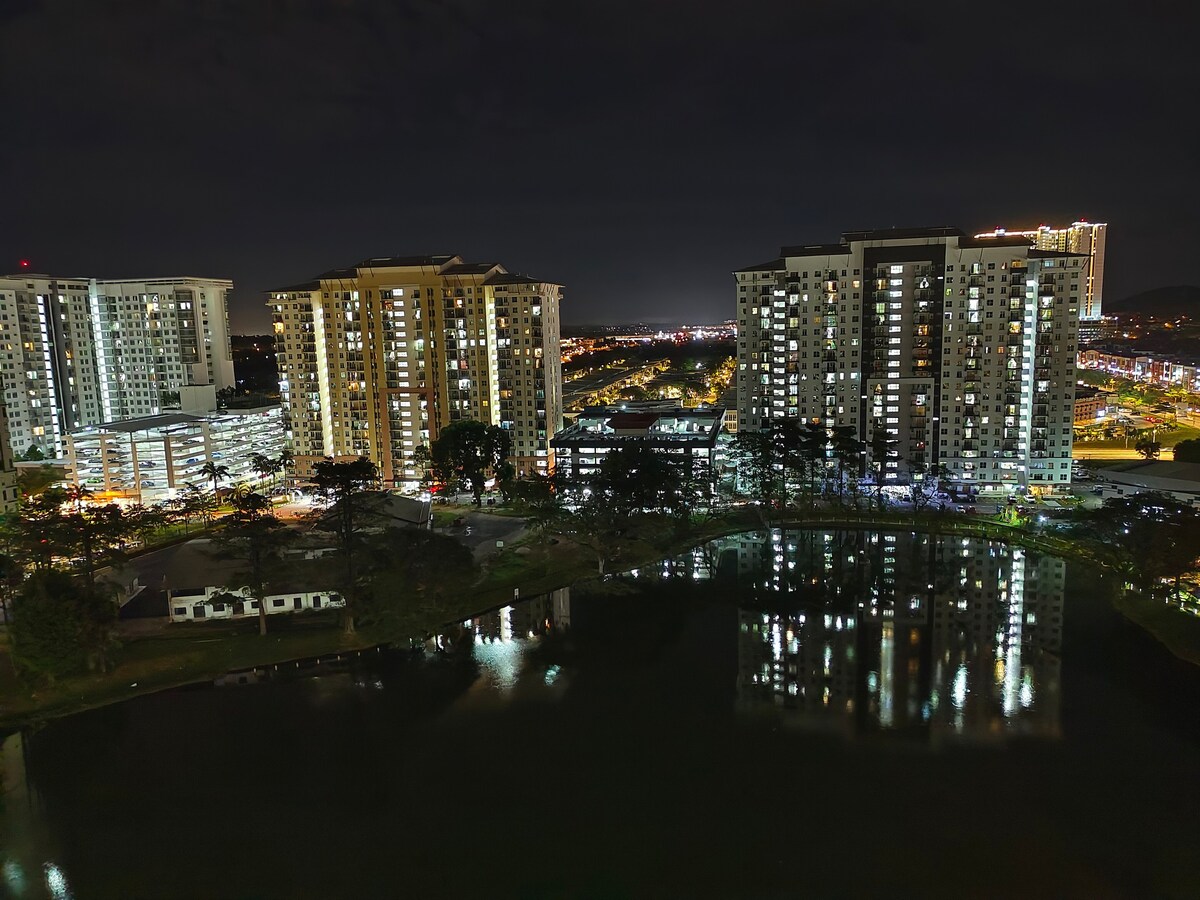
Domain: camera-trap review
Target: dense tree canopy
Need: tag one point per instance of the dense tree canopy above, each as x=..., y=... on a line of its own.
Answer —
x=61, y=626
x=468, y=453
x=253, y=535
x=349, y=507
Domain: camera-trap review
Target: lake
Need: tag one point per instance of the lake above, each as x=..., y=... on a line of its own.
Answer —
x=777, y=714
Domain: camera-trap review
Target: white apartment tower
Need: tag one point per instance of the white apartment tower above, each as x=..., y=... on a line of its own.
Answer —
x=10, y=491
x=76, y=351
x=1082, y=238
x=156, y=335
x=962, y=350
x=375, y=359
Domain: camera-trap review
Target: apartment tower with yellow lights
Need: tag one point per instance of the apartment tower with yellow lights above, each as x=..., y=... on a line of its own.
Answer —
x=375, y=359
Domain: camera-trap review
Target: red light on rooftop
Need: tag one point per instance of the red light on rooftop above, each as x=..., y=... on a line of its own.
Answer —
x=24, y=264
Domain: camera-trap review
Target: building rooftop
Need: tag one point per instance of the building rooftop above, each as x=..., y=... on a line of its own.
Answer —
x=628, y=421
x=446, y=264
x=409, y=262
x=302, y=288
x=167, y=279
x=468, y=268
x=772, y=266
x=612, y=424
x=146, y=423
x=513, y=278
x=903, y=234
x=1000, y=240
x=813, y=250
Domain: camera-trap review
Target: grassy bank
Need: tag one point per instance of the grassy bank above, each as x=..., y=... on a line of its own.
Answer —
x=1178, y=631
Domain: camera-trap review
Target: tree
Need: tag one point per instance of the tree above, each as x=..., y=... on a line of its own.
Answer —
x=1149, y=537
x=538, y=496
x=595, y=524
x=11, y=576
x=33, y=454
x=60, y=626
x=90, y=536
x=848, y=450
x=264, y=467
x=1148, y=448
x=883, y=448
x=34, y=481
x=348, y=508
x=286, y=461
x=215, y=472
x=635, y=478
x=195, y=502
x=926, y=480
x=421, y=459
x=1187, y=451
x=814, y=448
x=788, y=439
x=753, y=453
x=253, y=535
x=467, y=452
x=419, y=574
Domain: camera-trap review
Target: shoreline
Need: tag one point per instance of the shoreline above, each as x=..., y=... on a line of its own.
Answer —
x=307, y=639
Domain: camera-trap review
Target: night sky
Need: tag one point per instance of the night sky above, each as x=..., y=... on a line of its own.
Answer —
x=634, y=151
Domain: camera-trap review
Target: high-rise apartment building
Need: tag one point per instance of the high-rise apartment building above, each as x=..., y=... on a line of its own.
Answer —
x=76, y=351
x=10, y=492
x=962, y=350
x=155, y=335
x=1081, y=238
x=375, y=359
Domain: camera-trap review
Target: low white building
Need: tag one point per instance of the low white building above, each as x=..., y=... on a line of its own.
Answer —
x=211, y=602
x=149, y=459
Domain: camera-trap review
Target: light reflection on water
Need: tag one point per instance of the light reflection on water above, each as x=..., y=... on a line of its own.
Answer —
x=850, y=633
x=863, y=632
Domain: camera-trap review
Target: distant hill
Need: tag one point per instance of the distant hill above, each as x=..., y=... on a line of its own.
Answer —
x=1181, y=299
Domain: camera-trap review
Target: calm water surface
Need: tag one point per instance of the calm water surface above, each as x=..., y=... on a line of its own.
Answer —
x=780, y=714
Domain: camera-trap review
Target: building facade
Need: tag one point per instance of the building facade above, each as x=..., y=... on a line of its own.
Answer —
x=76, y=352
x=10, y=491
x=689, y=436
x=958, y=352
x=151, y=458
x=1080, y=239
x=156, y=335
x=375, y=359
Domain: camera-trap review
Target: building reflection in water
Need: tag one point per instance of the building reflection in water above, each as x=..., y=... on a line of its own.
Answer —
x=501, y=637
x=859, y=632
x=864, y=632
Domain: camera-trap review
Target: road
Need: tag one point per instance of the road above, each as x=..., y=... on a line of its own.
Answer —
x=1087, y=451
x=481, y=530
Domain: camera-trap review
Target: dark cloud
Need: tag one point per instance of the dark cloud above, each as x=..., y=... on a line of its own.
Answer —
x=635, y=151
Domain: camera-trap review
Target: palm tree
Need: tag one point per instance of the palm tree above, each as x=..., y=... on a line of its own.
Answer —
x=263, y=466
x=215, y=472
x=285, y=462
